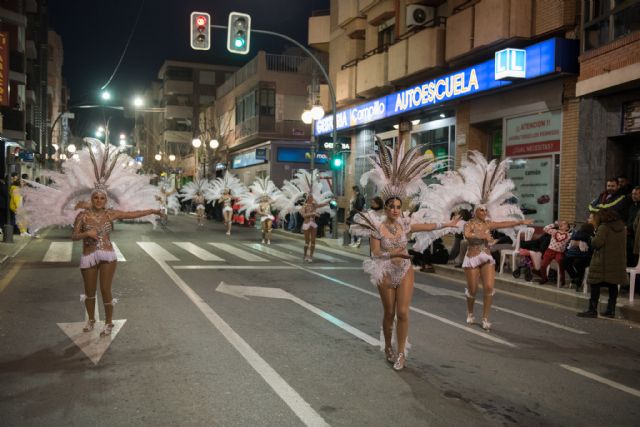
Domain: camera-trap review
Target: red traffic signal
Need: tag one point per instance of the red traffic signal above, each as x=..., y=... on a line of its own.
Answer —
x=200, y=31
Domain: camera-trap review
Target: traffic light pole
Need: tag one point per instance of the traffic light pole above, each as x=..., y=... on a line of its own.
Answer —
x=334, y=133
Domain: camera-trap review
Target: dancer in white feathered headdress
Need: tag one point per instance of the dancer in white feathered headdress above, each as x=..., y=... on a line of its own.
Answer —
x=167, y=196
x=196, y=191
x=396, y=175
x=316, y=194
x=263, y=193
x=103, y=174
x=224, y=190
x=484, y=186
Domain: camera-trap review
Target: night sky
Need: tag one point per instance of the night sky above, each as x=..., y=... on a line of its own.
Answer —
x=94, y=34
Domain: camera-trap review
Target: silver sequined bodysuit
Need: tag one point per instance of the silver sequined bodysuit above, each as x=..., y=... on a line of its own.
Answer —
x=97, y=250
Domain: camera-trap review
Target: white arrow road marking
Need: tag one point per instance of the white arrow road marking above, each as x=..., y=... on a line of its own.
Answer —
x=244, y=291
x=464, y=328
x=121, y=257
x=58, y=252
x=198, y=251
x=318, y=255
x=257, y=267
x=621, y=387
x=240, y=253
x=91, y=343
x=435, y=291
x=298, y=405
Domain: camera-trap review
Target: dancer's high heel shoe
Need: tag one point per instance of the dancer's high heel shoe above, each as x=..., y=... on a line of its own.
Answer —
x=471, y=319
x=107, y=330
x=486, y=325
x=390, y=354
x=399, y=365
x=88, y=327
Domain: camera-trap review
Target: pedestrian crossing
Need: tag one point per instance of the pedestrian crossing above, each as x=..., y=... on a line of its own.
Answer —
x=213, y=252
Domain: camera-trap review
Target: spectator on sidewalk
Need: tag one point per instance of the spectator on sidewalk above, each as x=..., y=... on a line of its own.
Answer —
x=625, y=185
x=612, y=198
x=459, y=247
x=608, y=263
x=559, y=232
x=578, y=253
x=356, y=205
x=632, y=224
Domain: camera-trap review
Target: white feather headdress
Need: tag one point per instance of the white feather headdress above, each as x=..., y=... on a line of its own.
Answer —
x=228, y=182
x=476, y=183
x=305, y=183
x=192, y=188
x=261, y=189
x=168, y=194
x=97, y=167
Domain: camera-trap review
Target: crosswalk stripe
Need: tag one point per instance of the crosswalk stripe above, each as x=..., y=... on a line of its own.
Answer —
x=197, y=251
x=343, y=253
x=238, y=252
x=316, y=254
x=59, y=252
x=121, y=257
x=157, y=251
x=273, y=252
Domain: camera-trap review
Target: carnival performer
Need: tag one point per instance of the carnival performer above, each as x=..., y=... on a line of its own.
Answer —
x=195, y=191
x=310, y=211
x=100, y=175
x=396, y=175
x=224, y=190
x=261, y=195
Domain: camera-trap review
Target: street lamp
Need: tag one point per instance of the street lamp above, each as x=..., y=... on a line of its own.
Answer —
x=172, y=157
x=307, y=117
x=105, y=95
x=317, y=112
x=158, y=157
x=71, y=148
x=138, y=102
x=214, y=144
x=196, y=142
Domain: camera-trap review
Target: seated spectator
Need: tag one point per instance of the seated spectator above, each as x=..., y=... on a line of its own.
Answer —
x=559, y=232
x=458, y=238
x=578, y=254
x=500, y=241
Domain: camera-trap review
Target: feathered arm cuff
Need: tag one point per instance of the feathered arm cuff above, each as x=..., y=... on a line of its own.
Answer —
x=365, y=225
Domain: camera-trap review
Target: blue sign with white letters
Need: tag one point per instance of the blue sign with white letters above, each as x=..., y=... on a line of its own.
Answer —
x=511, y=63
x=535, y=61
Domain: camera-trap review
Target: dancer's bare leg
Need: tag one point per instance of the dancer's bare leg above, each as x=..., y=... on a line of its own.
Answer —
x=403, y=301
x=307, y=239
x=488, y=273
x=312, y=240
x=388, y=298
x=107, y=271
x=268, y=224
x=473, y=277
x=90, y=279
x=227, y=221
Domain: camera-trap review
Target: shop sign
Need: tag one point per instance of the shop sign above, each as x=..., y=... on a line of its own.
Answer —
x=4, y=68
x=246, y=159
x=533, y=179
x=511, y=64
x=539, y=60
x=261, y=153
x=343, y=146
x=533, y=134
x=300, y=155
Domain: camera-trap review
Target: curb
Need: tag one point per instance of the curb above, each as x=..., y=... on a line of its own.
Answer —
x=19, y=247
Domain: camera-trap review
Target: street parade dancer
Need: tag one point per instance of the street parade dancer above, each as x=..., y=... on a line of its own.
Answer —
x=195, y=191
x=396, y=175
x=224, y=190
x=168, y=199
x=307, y=186
x=262, y=194
x=103, y=176
x=484, y=187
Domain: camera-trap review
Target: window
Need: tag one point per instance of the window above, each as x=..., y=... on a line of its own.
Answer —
x=267, y=102
x=607, y=20
x=208, y=77
x=246, y=107
x=386, y=34
x=179, y=73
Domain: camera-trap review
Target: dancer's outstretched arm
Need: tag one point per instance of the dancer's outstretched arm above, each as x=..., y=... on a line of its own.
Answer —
x=133, y=214
x=507, y=224
x=430, y=226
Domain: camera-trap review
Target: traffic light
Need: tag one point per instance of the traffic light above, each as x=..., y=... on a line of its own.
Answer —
x=336, y=162
x=200, y=31
x=239, y=33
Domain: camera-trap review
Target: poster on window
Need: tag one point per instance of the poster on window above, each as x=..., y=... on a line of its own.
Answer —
x=533, y=179
x=534, y=134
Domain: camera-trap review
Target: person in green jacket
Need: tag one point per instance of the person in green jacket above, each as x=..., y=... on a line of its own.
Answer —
x=608, y=263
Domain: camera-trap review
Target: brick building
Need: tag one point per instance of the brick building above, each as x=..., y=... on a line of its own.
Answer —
x=498, y=76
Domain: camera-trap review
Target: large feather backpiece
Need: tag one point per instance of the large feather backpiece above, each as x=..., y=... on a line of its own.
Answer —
x=477, y=182
x=195, y=187
x=228, y=182
x=168, y=195
x=262, y=188
x=96, y=163
x=396, y=173
x=303, y=184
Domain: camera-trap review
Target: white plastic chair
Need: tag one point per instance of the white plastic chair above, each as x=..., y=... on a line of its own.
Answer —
x=557, y=268
x=633, y=271
x=584, y=281
x=525, y=234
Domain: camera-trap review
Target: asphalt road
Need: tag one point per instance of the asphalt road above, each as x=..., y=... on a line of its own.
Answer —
x=210, y=337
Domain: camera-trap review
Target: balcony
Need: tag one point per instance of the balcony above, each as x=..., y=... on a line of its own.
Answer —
x=356, y=28
x=403, y=60
x=347, y=11
x=380, y=12
x=372, y=77
x=319, y=32
x=267, y=128
x=487, y=23
x=365, y=5
x=176, y=136
x=173, y=87
x=553, y=15
x=179, y=112
x=346, y=85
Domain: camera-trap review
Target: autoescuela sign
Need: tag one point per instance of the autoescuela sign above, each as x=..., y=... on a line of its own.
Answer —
x=542, y=59
x=4, y=68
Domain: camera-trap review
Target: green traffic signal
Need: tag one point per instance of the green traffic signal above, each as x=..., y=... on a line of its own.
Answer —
x=238, y=33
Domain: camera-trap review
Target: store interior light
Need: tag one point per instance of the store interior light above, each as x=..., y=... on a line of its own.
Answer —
x=443, y=115
x=415, y=122
x=396, y=126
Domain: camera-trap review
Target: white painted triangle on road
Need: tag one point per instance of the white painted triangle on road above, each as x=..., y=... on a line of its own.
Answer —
x=91, y=343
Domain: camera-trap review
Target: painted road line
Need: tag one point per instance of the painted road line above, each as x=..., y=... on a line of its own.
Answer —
x=273, y=252
x=58, y=252
x=121, y=257
x=298, y=405
x=316, y=254
x=91, y=343
x=13, y=270
x=277, y=293
x=343, y=253
x=238, y=252
x=256, y=267
x=618, y=386
x=465, y=328
x=197, y=251
x=435, y=291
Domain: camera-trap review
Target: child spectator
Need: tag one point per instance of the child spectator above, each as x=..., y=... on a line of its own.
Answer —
x=559, y=232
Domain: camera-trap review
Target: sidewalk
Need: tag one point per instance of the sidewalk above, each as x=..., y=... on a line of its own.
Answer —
x=10, y=250
x=566, y=297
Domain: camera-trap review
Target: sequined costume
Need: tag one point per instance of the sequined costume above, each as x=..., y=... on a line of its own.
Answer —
x=478, y=235
x=97, y=250
x=393, y=241
x=309, y=213
x=264, y=211
x=226, y=204
x=199, y=199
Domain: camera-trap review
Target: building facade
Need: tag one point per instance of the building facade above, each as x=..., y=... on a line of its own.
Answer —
x=497, y=76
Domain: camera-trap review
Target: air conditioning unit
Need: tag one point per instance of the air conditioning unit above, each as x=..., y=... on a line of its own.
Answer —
x=419, y=14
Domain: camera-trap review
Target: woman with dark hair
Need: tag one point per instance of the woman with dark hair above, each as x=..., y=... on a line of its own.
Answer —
x=609, y=261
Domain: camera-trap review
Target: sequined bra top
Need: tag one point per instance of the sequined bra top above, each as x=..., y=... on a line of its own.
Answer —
x=309, y=211
x=478, y=235
x=102, y=224
x=391, y=240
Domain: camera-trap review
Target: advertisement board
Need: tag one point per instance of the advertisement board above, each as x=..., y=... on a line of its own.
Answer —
x=533, y=179
x=533, y=134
